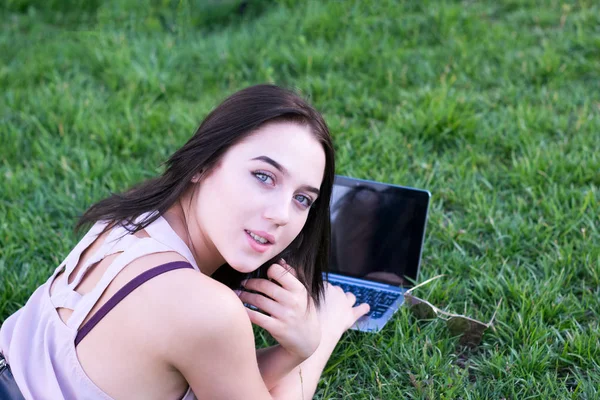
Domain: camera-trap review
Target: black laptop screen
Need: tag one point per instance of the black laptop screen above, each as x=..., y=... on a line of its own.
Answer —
x=377, y=230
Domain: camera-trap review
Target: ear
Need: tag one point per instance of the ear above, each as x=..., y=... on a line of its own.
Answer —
x=197, y=176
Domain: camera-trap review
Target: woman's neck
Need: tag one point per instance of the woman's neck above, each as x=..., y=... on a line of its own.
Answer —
x=184, y=223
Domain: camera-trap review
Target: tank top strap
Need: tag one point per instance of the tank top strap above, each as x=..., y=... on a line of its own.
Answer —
x=63, y=294
x=117, y=240
x=140, y=248
x=65, y=298
x=70, y=262
x=124, y=292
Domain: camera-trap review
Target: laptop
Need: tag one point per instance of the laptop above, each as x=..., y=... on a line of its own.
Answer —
x=377, y=234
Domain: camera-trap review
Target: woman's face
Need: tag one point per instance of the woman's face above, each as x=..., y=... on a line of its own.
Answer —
x=256, y=200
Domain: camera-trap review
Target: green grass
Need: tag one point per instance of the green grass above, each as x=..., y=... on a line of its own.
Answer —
x=492, y=106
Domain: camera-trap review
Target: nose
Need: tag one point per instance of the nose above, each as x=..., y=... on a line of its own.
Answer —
x=278, y=211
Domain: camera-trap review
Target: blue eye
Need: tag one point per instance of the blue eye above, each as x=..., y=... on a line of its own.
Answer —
x=263, y=177
x=306, y=202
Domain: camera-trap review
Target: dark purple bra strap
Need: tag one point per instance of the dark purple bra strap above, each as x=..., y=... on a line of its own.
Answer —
x=123, y=292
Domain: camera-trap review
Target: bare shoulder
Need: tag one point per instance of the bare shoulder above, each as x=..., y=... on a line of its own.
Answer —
x=184, y=308
x=196, y=298
x=210, y=339
x=211, y=342
x=188, y=302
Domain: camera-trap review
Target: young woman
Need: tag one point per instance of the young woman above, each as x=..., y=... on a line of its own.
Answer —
x=143, y=306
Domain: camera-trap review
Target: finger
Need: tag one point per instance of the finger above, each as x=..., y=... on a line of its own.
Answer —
x=360, y=310
x=261, y=302
x=289, y=268
x=267, y=288
x=262, y=320
x=351, y=298
x=287, y=280
x=334, y=287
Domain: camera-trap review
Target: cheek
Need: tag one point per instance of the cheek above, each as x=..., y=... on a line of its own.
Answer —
x=227, y=205
x=294, y=230
x=240, y=193
x=228, y=193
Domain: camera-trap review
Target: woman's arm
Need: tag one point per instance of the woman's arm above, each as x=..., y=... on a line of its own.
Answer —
x=302, y=381
x=212, y=344
x=208, y=338
x=284, y=375
x=275, y=363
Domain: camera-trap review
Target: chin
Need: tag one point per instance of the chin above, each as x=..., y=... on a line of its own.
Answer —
x=245, y=266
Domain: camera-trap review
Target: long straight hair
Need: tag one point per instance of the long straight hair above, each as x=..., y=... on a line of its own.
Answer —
x=234, y=119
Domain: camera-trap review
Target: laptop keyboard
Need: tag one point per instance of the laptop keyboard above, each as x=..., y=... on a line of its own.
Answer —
x=379, y=300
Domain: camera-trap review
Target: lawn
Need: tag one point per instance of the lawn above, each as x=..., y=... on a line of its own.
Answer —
x=493, y=106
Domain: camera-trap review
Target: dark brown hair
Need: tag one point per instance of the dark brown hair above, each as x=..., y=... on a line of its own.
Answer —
x=233, y=120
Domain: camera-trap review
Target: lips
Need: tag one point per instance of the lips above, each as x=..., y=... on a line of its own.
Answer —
x=270, y=238
x=254, y=245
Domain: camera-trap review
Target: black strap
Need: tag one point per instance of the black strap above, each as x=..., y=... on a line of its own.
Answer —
x=8, y=387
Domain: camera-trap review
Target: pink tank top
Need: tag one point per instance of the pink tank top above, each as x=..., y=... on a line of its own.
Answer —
x=40, y=347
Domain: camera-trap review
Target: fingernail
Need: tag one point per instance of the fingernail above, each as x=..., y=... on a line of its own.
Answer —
x=243, y=283
x=283, y=261
x=237, y=292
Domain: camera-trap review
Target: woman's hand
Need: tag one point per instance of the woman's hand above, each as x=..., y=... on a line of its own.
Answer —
x=337, y=312
x=293, y=320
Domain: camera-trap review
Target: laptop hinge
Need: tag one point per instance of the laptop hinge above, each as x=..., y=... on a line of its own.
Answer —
x=365, y=282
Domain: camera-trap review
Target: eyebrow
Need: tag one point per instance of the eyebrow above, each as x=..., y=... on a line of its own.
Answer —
x=284, y=171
